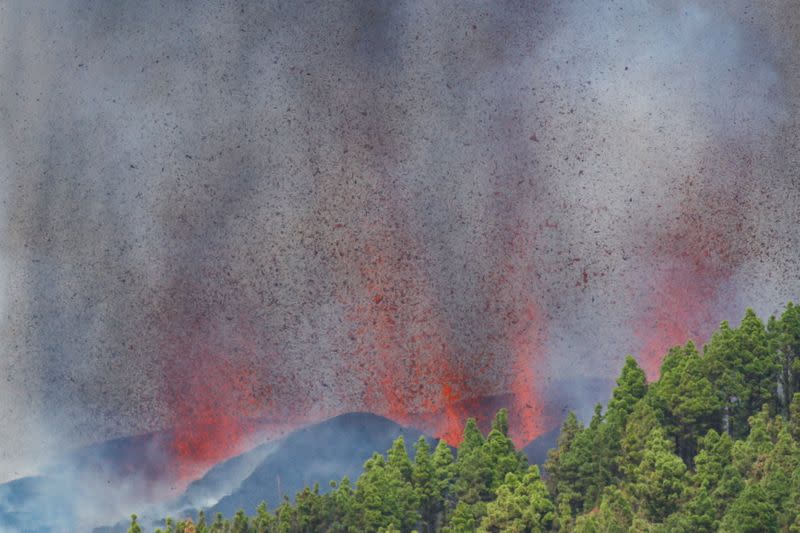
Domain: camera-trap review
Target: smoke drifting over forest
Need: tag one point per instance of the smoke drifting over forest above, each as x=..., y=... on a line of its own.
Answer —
x=221, y=217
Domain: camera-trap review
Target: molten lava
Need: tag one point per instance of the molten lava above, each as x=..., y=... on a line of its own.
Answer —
x=210, y=413
x=692, y=258
x=522, y=330
x=527, y=419
x=401, y=350
x=213, y=390
x=682, y=310
x=398, y=345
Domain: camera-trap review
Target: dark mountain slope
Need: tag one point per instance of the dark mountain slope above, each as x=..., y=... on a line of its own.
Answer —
x=319, y=453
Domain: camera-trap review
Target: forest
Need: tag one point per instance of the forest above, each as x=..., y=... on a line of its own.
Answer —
x=712, y=445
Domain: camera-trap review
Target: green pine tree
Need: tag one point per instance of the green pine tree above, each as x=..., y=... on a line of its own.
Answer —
x=751, y=512
x=660, y=480
x=691, y=404
x=473, y=469
x=522, y=505
x=135, y=528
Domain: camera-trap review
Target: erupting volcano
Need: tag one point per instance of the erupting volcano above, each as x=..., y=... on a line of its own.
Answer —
x=223, y=222
x=223, y=389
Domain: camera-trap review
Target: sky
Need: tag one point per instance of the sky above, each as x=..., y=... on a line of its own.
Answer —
x=221, y=216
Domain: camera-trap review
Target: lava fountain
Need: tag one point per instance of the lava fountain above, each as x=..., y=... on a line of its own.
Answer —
x=691, y=259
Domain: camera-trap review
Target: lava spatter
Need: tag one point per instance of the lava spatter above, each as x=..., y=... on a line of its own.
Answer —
x=690, y=261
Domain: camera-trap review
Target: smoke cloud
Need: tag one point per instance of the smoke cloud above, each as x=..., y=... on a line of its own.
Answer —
x=224, y=217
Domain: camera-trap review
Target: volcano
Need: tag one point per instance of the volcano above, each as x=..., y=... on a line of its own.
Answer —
x=321, y=452
x=278, y=461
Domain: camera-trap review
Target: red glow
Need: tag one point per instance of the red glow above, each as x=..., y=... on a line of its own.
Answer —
x=210, y=413
x=526, y=416
x=221, y=387
x=213, y=391
x=401, y=350
x=450, y=429
x=682, y=310
x=692, y=259
x=522, y=331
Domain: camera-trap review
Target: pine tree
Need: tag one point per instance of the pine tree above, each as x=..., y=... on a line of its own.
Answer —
x=697, y=515
x=473, y=468
x=595, y=473
x=313, y=511
x=187, y=526
x=641, y=422
x=219, y=524
x=712, y=459
x=608, y=435
x=631, y=387
x=522, y=505
x=502, y=455
x=776, y=473
x=563, y=467
x=751, y=512
x=397, y=458
x=616, y=511
x=713, y=485
x=286, y=519
x=444, y=473
x=423, y=476
x=784, y=339
x=794, y=416
x=743, y=371
x=758, y=443
x=465, y=518
x=347, y=510
x=473, y=438
x=692, y=406
x=660, y=479
x=553, y=465
x=135, y=528
x=240, y=522
x=587, y=523
x=263, y=520
x=761, y=369
x=202, y=526
x=385, y=495
x=500, y=422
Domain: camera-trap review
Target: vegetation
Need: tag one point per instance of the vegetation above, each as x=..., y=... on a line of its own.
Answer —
x=713, y=445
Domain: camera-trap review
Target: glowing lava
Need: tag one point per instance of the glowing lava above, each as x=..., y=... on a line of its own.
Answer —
x=401, y=350
x=527, y=419
x=692, y=258
x=210, y=411
x=683, y=298
x=522, y=330
x=213, y=391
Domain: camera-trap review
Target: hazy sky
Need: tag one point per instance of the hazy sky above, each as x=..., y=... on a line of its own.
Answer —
x=298, y=208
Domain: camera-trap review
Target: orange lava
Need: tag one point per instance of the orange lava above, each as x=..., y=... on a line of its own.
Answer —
x=692, y=258
x=522, y=331
x=682, y=310
x=401, y=350
x=526, y=417
x=210, y=414
x=214, y=393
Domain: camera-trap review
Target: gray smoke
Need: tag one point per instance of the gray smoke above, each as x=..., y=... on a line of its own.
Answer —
x=235, y=168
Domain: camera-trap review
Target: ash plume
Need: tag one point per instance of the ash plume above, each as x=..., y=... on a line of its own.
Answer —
x=225, y=217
